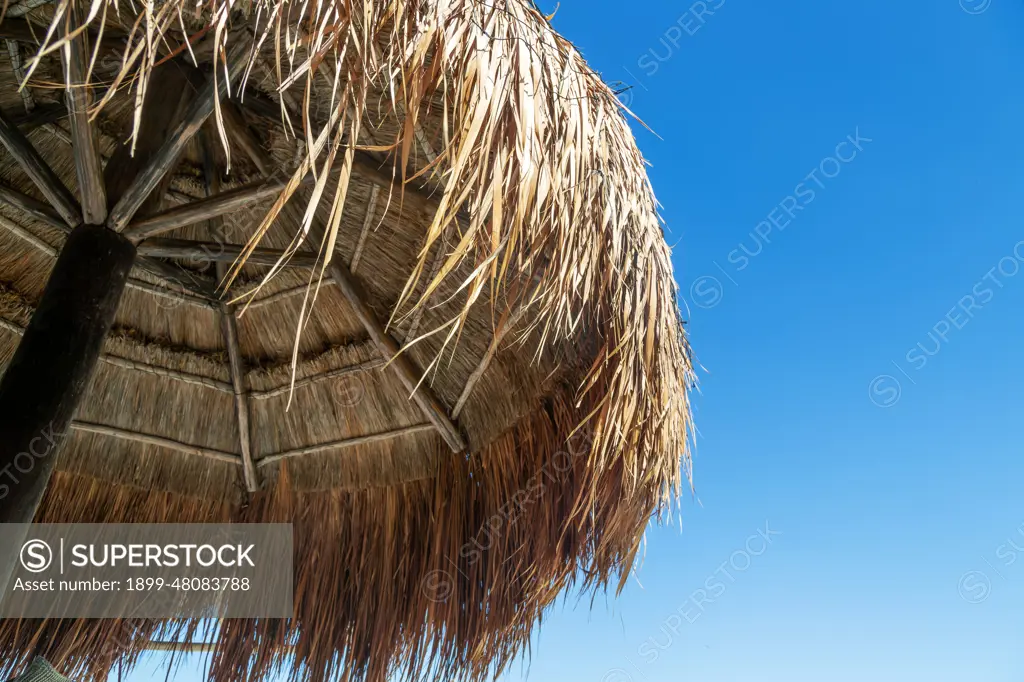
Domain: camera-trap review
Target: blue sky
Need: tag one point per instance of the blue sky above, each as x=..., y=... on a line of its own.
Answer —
x=863, y=373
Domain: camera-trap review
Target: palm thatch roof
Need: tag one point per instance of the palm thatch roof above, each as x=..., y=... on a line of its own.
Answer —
x=477, y=184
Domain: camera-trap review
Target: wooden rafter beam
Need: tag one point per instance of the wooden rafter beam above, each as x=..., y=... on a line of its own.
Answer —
x=399, y=363
x=229, y=327
x=39, y=171
x=220, y=253
x=203, y=209
x=32, y=207
x=164, y=158
x=192, y=282
x=88, y=168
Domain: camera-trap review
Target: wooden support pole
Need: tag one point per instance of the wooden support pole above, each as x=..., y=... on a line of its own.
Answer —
x=164, y=158
x=203, y=209
x=91, y=188
x=36, y=168
x=53, y=364
x=220, y=253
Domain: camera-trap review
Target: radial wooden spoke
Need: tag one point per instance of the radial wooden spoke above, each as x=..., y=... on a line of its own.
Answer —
x=214, y=252
x=36, y=168
x=229, y=326
x=167, y=154
x=33, y=207
x=203, y=209
x=91, y=187
x=203, y=287
x=400, y=364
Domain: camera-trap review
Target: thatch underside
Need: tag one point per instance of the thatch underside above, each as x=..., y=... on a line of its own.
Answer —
x=483, y=187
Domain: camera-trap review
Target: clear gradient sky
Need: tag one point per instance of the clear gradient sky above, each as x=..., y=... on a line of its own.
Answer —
x=859, y=312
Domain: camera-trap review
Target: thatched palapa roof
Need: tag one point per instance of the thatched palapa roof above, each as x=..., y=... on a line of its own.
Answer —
x=478, y=192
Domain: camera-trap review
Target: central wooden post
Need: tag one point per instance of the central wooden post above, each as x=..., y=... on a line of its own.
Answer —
x=52, y=367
